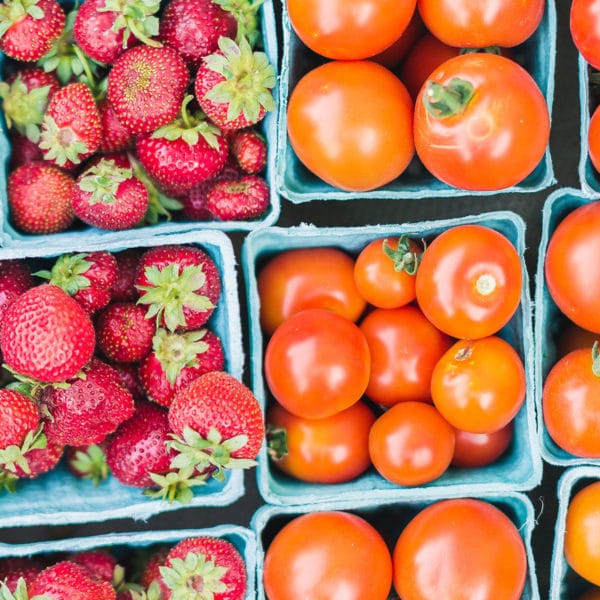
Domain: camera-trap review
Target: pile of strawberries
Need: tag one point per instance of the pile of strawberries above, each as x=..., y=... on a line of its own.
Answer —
x=124, y=113
x=110, y=360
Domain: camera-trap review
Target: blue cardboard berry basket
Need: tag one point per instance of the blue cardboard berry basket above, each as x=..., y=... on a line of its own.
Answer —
x=123, y=544
x=588, y=176
x=59, y=497
x=10, y=236
x=296, y=183
x=519, y=469
x=389, y=517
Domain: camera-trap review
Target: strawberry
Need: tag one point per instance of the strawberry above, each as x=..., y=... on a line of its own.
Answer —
x=39, y=198
x=46, y=335
x=245, y=13
x=99, y=563
x=178, y=358
x=240, y=199
x=180, y=285
x=233, y=85
x=123, y=290
x=123, y=332
x=249, y=149
x=115, y=136
x=22, y=150
x=150, y=570
x=89, y=408
x=88, y=462
x=128, y=372
x=15, y=278
x=146, y=87
x=28, y=28
x=193, y=27
x=109, y=196
x=13, y=568
x=41, y=460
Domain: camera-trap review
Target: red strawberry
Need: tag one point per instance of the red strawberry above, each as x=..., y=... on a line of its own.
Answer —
x=99, y=563
x=150, y=571
x=15, y=278
x=88, y=462
x=123, y=332
x=241, y=199
x=46, y=335
x=39, y=198
x=249, y=149
x=146, y=87
x=71, y=128
x=22, y=151
x=88, y=409
x=13, y=568
x=193, y=27
x=188, y=270
x=29, y=28
x=123, y=290
x=128, y=372
x=233, y=86
x=41, y=460
x=177, y=359
x=115, y=136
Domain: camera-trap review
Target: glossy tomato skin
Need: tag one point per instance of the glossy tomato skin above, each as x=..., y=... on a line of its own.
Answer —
x=393, y=55
x=571, y=266
x=460, y=548
x=585, y=29
x=475, y=450
x=301, y=278
x=349, y=29
x=411, y=444
x=594, y=139
x=335, y=107
x=479, y=385
x=317, y=363
x=468, y=24
x=404, y=348
x=497, y=138
x=318, y=554
x=469, y=281
x=330, y=450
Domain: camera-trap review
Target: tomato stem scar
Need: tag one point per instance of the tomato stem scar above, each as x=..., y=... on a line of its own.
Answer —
x=485, y=284
x=447, y=100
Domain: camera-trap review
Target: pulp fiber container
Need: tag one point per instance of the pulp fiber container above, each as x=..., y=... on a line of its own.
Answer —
x=296, y=183
x=59, y=497
x=389, y=518
x=519, y=469
x=9, y=235
x=588, y=102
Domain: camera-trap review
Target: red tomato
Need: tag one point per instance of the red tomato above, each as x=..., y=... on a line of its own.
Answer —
x=481, y=122
x=469, y=281
x=325, y=554
x=460, y=548
x=404, y=348
x=474, y=450
x=468, y=24
x=479, y=385
x=335, y=108
x=585, y=29
x=296, y=279
x=582, y=533
x=572, y=337
x=594, y=139
x=349, y=29
x=329, y=450
x=411, y=444
x=317, y=363
x=572, y=268
x=393, y=55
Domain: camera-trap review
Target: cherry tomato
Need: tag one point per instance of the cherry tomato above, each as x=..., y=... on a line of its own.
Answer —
x=394, y=54
x=481, y=123
x=317, y=363
x=585, y=29
x=594, y=139
x=411, y=444
x=329, y=450
x=572, y=337
x=469, y=281
x=460, y=548
x=349, y=29
x=479, y=385
x=468, y=24
x=474, y=450
x=582, y=533
x=404, y=348
x=325, y=554
x=335, y=108
x=297, y=279
x=572, y=268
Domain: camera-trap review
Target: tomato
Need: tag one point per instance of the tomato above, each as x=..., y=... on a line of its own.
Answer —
x=327, y=554
x=592, y=594
x=481, y=123
x=582, y=533
x=571, y=403
x=335, y=108
x=411, y=444
x=393, y=55
x=329, y=450
x=349, y=29
x=594, y=139
x=317, y=363
x=572, y=268
x=469, y=24
x=404, y=348
x=572, y=337
x=474, y=450
x=296, y=279
x=479, y=385
x=469, y=281
x=460, y=548
x=585, y=29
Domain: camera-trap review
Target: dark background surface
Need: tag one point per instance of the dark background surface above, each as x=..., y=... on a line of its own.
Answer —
x=565, y=150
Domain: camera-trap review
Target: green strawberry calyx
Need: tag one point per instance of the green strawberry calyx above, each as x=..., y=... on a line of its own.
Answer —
x=61, y=144
x=102, y=181
x=246, y=15
x=135, y=17
x=196, y=577
x=69, y=272
x=248, y=79
x=13, y=11
x=152, y=593
x=176, y=485
x=14, y=456
x=90, y=463
x=20, y=592
x=175, y=351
